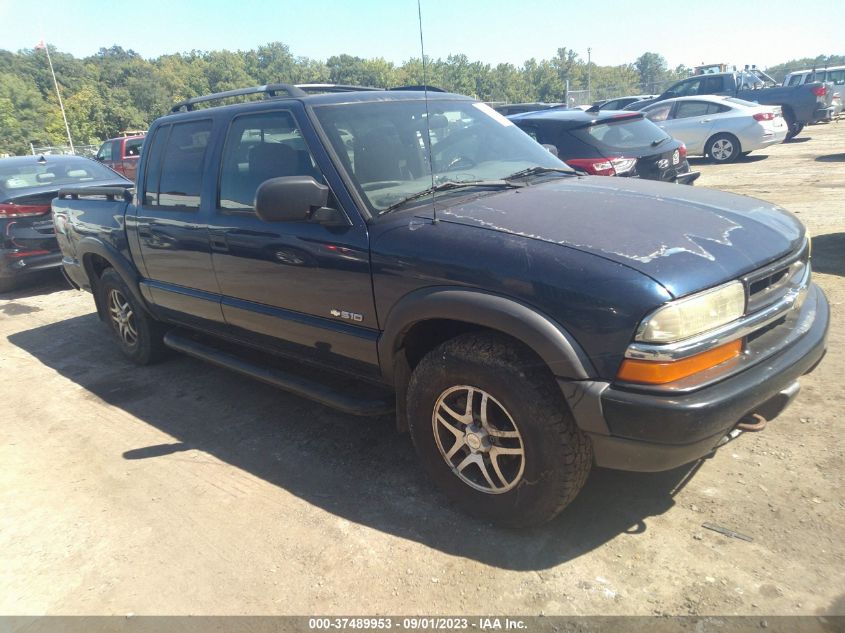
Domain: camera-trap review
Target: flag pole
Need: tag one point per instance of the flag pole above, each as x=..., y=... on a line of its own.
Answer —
x=59, y=95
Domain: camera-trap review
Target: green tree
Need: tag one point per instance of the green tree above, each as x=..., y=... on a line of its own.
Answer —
x=652, y=70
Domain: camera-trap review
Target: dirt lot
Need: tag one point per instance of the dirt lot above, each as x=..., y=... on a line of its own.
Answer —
x=186, y=489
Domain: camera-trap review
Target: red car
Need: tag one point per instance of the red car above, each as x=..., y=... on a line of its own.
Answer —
x=121, y=154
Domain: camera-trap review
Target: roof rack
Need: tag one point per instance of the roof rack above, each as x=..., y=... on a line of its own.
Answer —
x=269, y=91
x=333, y=88
x=419, y=88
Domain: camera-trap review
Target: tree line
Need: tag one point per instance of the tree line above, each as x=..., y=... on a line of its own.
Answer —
x=117, y=89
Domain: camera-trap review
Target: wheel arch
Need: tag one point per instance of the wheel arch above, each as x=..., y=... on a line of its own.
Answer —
x=430, y=316
x=715, y=135
x=96, y=256
x=464, y=309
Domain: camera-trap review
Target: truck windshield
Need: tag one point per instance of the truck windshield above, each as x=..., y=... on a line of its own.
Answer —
x=385, y=146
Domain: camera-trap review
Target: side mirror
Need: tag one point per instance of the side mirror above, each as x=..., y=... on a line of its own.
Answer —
x=551, y=148
x=290, y=198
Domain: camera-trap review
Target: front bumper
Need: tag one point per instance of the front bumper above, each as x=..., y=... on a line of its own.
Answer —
x=649, y=432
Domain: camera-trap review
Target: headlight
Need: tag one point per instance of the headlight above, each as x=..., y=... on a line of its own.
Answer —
x=695, y=314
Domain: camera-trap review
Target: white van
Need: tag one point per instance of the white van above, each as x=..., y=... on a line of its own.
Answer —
x=832, y=74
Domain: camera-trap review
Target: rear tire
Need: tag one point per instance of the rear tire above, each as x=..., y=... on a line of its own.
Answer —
x=723, y=148
x=793, y=127
x=139, y=336
x=7, y=284
x=492, y=429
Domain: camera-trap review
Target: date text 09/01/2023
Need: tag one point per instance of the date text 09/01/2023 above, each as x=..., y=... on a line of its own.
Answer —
x=416, y=624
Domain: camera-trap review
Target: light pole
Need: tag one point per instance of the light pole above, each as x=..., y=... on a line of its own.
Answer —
x=589, y=77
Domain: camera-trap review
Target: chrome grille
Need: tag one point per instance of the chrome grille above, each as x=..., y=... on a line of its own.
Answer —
x=768, y=285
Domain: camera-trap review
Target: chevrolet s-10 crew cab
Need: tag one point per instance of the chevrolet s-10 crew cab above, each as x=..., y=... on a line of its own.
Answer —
x=523, y=322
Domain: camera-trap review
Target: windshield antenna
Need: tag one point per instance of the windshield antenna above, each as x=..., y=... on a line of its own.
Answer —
x=427, y=117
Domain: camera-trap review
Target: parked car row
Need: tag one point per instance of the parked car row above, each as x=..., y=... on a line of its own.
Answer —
x=800, y=105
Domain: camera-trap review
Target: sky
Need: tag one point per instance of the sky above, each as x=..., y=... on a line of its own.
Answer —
x=493, y=31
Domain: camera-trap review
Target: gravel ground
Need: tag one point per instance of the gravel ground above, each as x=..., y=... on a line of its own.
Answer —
x=186, y=489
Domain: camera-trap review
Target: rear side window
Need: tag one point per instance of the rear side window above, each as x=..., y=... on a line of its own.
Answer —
x=258, y=148
x=689, y=109
x=175, y=167
x=133, y=147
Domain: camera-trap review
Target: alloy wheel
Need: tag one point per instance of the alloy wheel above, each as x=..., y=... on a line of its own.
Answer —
x=478, y=439
x=122, y=318
x=722, y=149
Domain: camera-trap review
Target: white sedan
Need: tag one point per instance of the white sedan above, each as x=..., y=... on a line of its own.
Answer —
x=723, y=128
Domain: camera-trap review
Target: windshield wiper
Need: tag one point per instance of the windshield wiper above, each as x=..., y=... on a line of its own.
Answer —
x=660, y=141
x=538, y=171
x=450, y=185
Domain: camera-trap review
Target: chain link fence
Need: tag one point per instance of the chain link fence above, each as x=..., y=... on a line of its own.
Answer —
x=614, y=91
x=80, y=150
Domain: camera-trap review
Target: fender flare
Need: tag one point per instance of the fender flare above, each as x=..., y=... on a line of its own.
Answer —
x=124, y=267
x=549, y=340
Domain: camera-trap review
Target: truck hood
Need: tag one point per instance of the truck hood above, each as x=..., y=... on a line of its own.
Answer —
x=685, y=238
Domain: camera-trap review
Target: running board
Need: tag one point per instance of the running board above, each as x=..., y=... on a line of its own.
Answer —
x=296, y=385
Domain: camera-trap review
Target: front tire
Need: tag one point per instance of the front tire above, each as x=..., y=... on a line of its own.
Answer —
x=492, y=429
x=139, y=336
x=723, y=148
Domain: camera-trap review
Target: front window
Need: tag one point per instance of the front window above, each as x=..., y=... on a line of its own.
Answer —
x=105, y=151
x=385, y=146
x=258, y=148
x=687, y=88
x=836, y=76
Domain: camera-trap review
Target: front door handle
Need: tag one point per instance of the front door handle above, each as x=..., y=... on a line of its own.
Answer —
x=218, y=241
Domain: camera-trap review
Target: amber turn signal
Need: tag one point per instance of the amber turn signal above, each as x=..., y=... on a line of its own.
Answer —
x=651, y=372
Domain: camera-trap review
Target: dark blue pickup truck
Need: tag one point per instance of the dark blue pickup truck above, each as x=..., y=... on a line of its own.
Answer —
x=418, y=253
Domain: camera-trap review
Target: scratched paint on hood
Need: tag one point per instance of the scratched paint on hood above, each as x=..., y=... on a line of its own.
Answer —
x=661, y=229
